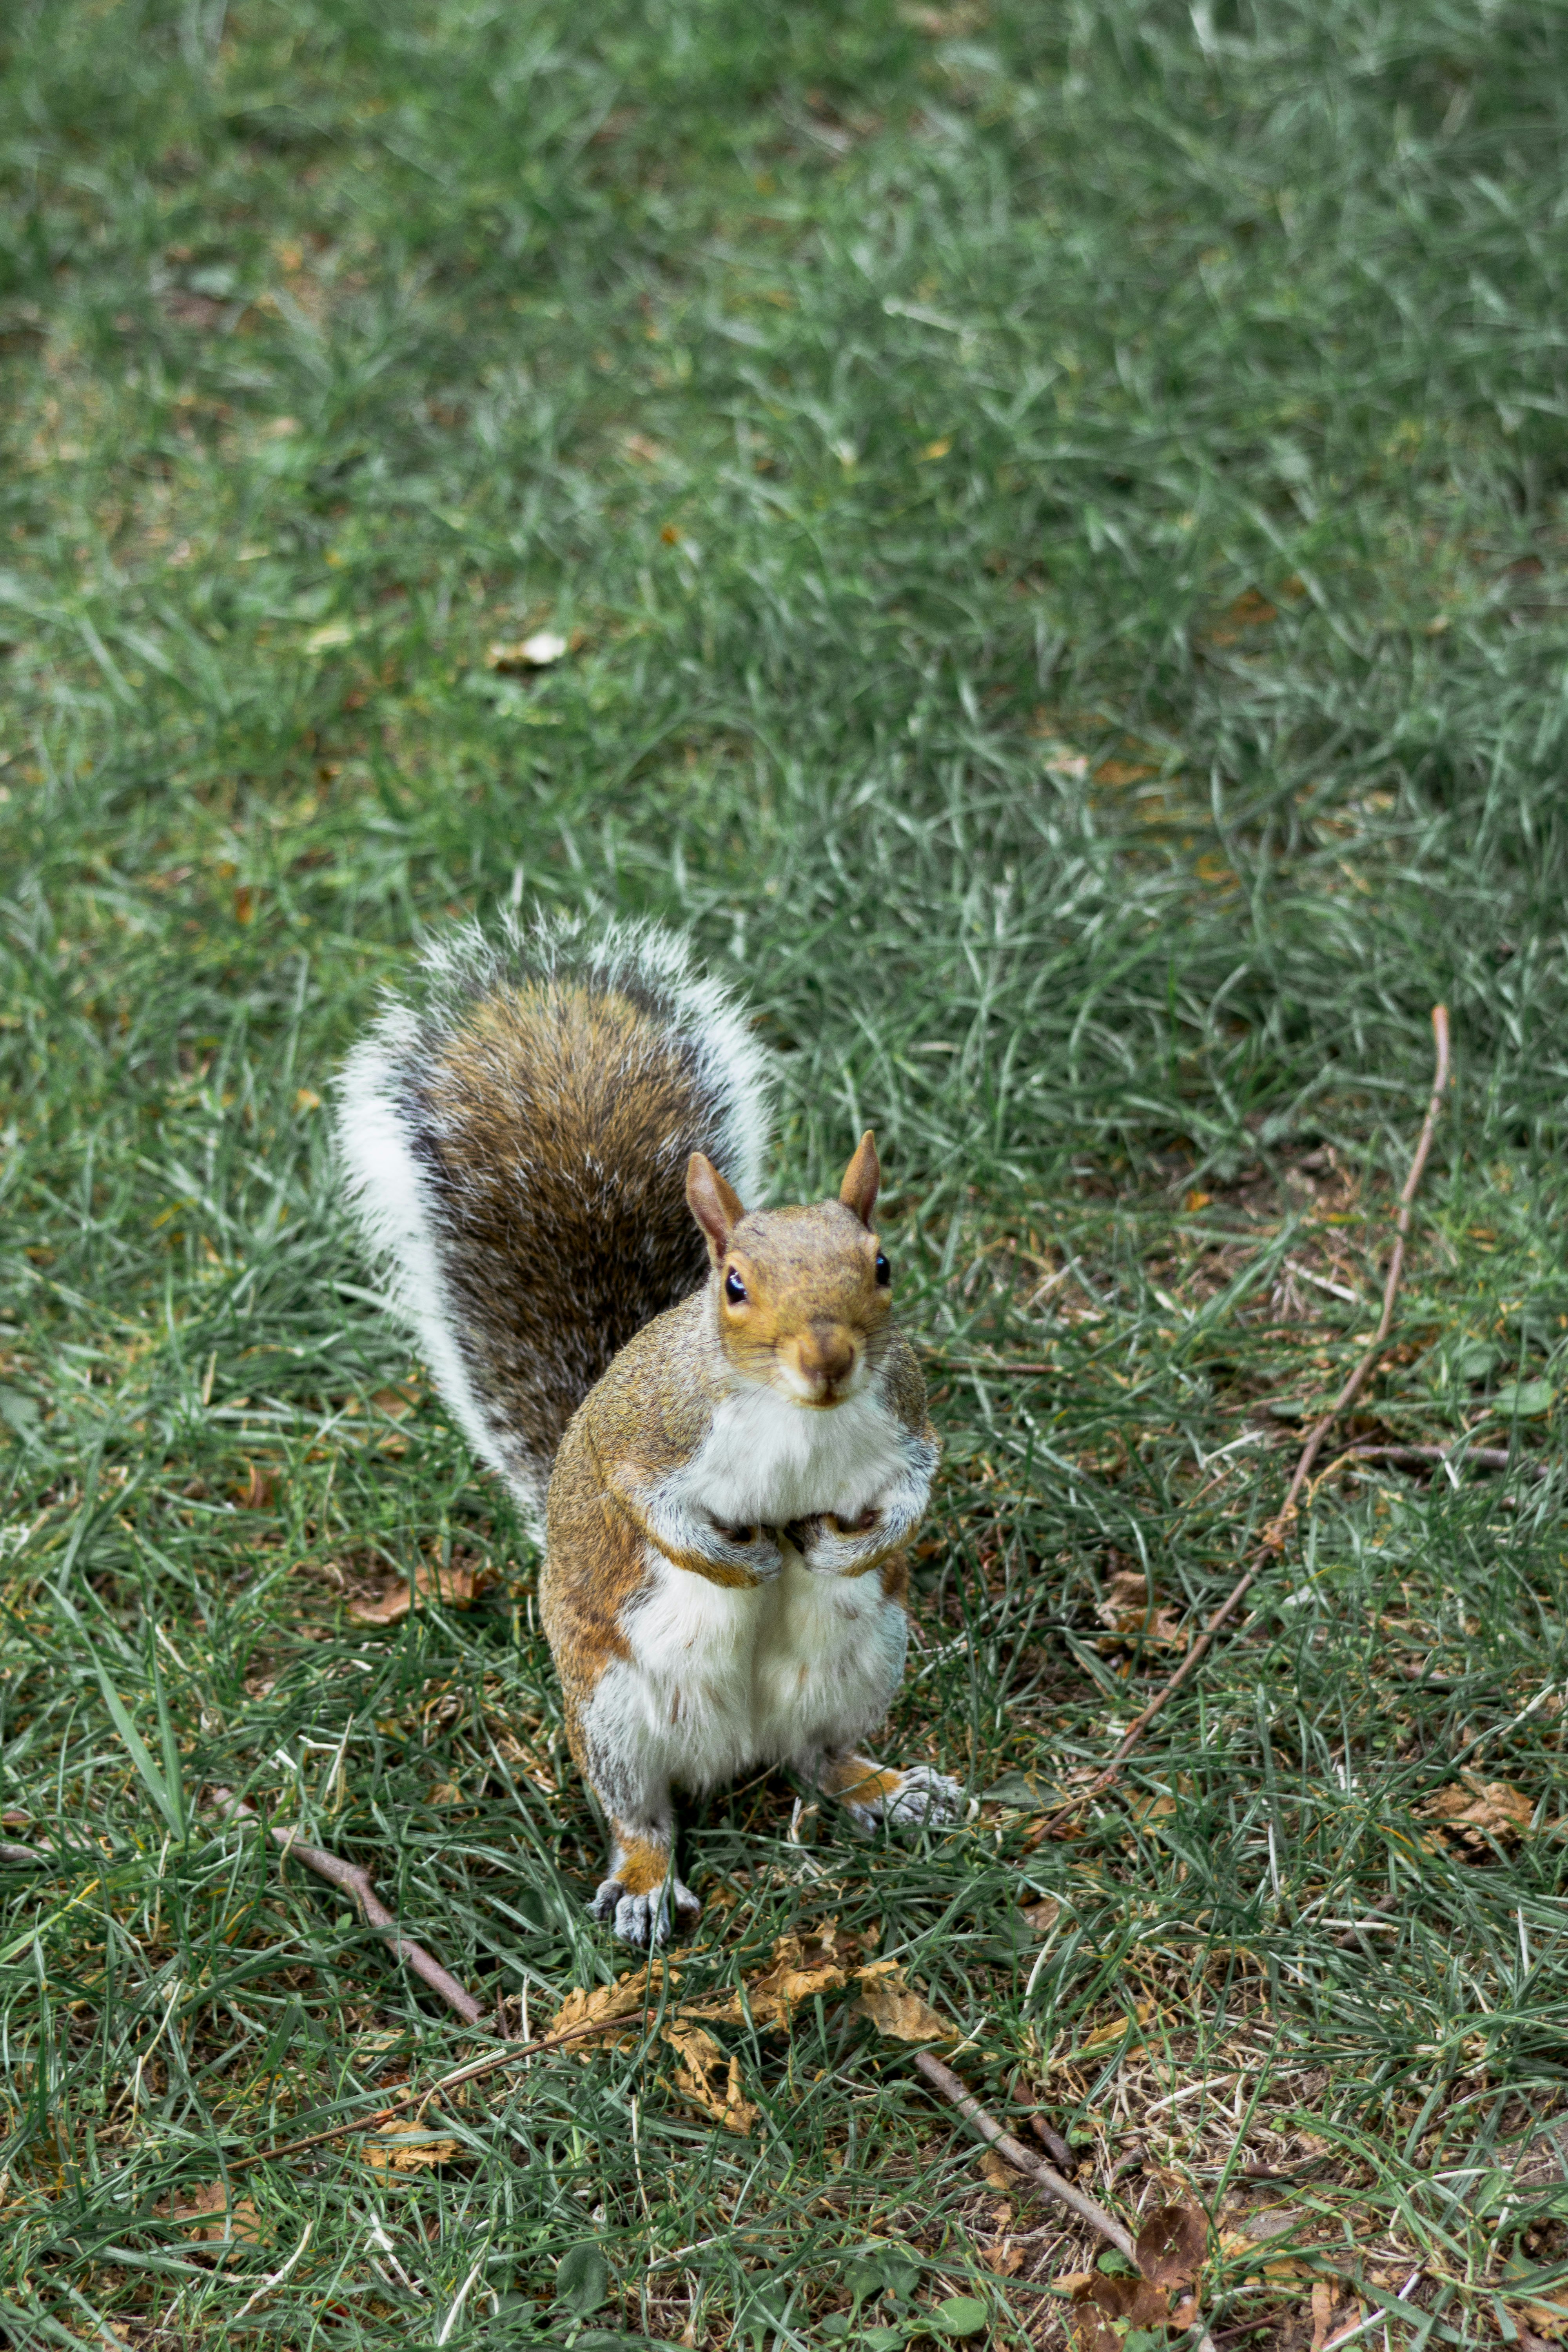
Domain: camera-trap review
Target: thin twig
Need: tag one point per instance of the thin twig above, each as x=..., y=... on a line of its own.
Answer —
x=942, y=2078
x=449, y=2082
x=1280, y=1525
x=355, y=1880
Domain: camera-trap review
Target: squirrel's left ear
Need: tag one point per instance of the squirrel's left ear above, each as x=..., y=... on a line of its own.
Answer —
x=715, y=1204
x=861, y=1178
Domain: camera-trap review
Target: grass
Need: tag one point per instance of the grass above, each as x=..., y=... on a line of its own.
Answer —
x=1059, y=517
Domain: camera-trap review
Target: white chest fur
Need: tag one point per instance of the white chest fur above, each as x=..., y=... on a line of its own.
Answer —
x=767, y=1460
x=721, y=1679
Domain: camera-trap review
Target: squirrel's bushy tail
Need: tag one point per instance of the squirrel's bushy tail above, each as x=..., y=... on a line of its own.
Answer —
x=515, y=1141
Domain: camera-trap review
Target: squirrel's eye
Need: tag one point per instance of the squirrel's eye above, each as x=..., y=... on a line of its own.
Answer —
x=735, y=1288
x=884, y=1271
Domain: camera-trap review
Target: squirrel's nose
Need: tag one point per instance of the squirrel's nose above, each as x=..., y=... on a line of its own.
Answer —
x=826, y=1354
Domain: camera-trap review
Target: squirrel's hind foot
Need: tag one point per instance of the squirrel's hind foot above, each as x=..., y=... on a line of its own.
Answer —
x=645, y=1920
x=873, y=1793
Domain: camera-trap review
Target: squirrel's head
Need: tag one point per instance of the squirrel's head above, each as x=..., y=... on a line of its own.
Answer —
x=801, y=1294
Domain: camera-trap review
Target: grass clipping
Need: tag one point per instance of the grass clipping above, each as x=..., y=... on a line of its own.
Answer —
x=801, y=1969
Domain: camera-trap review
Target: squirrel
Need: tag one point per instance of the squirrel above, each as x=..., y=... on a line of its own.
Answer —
x=706, y=1410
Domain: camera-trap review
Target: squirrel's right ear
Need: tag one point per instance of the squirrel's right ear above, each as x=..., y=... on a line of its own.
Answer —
x=715, y=1204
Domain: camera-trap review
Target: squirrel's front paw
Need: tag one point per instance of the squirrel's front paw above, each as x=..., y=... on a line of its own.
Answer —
x=834, y=1544
x=644, y=1920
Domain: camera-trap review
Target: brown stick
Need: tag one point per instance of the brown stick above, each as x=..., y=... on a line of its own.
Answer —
x=426, y=2091
x=1280, y=1525
x=355, y=1880
x=942, y=2078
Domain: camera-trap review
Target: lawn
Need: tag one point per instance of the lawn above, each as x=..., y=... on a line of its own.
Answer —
x=1054, y=518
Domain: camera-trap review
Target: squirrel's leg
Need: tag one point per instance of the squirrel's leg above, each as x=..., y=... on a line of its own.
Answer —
x=640, y=1890
x=639, y=1894
x=871, y=1792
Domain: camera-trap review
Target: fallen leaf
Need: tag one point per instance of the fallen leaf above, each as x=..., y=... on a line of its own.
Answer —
x=1123, y=771
x=710, y=2080
x=1170, y=2245
x=256, y=1494
x=1196, y=1201
x=1106, y=2309
x=446, y=1792
x=1477, y=1811
x=1042, y=1916
x=206, y=2214
x=935, y=449
x=456, y=1587
x=537, y=652
x=1119, y=2027
x=999, y=2172
x=306, y=1098
x=894, y=2009
x=638, y=445
x=1133, y=1612
x=407, y=2147
x=1005, y=2261
x=801, y=1967
x=604, y=2006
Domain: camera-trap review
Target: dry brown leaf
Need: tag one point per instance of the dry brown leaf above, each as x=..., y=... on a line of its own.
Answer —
x=801, y=1967
x=1477, y=1811
x=456, y=1587
x=1135, y=1615
x=256, y=1494
x=638, y=445
x=904, y=2015
x=446, y=1792
x=1042, y=1916
x=605, y=2006
x=1547, y=2319
x=407, y=2147
x=1103, y=2035
x=707, y=2079
x=998, y=2171
x=1105, y=2309
x=1235, y=2242
x=1005, y=2261
x=205, y=2210
x=1170, y=2245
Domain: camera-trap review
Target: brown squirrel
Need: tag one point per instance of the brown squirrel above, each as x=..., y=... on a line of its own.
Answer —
x=707, y=1410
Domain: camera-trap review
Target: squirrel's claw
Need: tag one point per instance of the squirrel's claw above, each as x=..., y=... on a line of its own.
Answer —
x=923, y=1799
x=644, y=1920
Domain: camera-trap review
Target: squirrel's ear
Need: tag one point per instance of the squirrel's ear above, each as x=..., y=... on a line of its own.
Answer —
x=715, y=1204
x=861, y=1178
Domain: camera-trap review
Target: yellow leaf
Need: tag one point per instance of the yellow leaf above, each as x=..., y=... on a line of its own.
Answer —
x=936, y=449
x=405, y=2147
x=307, y=1098
x=707, y=2079
x=904, y=2015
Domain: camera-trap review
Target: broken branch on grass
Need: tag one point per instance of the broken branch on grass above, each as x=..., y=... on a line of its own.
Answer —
x=353, y=1880
x=944, y=2080
x=1279, y=1527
